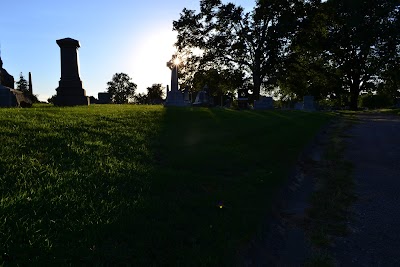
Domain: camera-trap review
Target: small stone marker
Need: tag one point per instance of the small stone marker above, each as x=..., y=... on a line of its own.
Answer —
x=264, y=103
x=104, y=98
x=186, y=97
x=308, y=103
x=10, y=97
x=70, y=91
x=243, y=98
x=298, y=106
x=202, y=99
x=398, y=103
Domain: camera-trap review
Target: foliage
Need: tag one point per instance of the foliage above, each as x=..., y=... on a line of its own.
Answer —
x=121, y=88
x=353, y=40
x=155, y=93
x=128, y=185
x=141, y=99
x=22, y=84
x=228, y=38
x=51, y=99
x=372, y=101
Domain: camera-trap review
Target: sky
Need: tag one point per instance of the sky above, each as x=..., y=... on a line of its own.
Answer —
x=130, y=36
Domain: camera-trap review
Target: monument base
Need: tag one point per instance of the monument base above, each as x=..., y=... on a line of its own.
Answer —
x=175, y=99
x=71, y=100
x=71, y=93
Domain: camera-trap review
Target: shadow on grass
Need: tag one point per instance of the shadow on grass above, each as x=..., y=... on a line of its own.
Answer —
x=141, y=185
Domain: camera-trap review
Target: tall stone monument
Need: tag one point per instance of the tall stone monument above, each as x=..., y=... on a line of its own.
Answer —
x=70, y=91
x=30, y=83
x=174, y=97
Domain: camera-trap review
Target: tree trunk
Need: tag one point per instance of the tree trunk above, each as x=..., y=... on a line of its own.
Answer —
x=257, y=86
x=354, y=93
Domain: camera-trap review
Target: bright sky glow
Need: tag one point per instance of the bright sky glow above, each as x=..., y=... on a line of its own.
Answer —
x=134, y=37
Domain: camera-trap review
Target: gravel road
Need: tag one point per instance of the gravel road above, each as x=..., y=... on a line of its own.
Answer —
x=374, y=150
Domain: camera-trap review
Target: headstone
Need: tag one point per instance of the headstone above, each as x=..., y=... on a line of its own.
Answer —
x=13, y=98
x=202, y=98
x=243, y=98
x=186, y=97
x=264, y=103
x=398, y=103
x=104, y=98
x=93, y=100
x=10, y=97
x=6, y=79
x=308, y=103
x=174, y=97
x=70, y=91
x=298, y=106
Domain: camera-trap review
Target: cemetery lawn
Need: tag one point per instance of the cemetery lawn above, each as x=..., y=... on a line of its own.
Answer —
x=141, y=185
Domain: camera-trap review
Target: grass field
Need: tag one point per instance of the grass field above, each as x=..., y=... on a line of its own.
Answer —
x=141, y=185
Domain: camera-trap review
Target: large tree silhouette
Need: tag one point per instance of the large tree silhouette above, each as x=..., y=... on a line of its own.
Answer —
x=229, y=38
x=121, y=88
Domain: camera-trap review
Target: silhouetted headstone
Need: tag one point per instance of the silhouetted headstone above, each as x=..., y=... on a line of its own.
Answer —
x=202, y=98
x=308, y=103
x=398, y=103
x=104, y=98
x=298, y=106
x=70, y=91
x=6, y=79
x=243, y=98
x=13, y=98
x=186, y=97
x=264, y=103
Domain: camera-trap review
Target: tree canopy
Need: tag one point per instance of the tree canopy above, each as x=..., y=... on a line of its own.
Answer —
x=229, y=38
x=330, y=49
x=121, y=88
x=22, y=83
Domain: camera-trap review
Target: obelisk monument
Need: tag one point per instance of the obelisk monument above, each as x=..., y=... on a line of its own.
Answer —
x=30, y=83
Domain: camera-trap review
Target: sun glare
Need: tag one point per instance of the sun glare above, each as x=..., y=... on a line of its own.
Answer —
x=177, y=61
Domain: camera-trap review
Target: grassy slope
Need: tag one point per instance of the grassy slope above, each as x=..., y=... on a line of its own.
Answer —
x=118, y=184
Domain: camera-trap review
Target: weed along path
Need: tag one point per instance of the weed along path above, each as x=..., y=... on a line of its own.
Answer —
x=374, y=150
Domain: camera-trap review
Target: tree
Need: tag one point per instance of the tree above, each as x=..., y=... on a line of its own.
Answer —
x=121, y=88
x=358, y=35
x=141, y=99
x=229, y=38
x=155, y=93
x=22, y=84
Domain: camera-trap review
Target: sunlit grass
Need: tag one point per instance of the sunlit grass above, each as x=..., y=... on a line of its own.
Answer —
x=144, y=185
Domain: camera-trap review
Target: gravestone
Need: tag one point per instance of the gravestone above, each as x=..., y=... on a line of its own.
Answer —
x=10, y=97
x=398, y=103
x=6, y=79
x=202, y=98
x=70, y=91
x=13, y=98
x=243, y=98
x=104, y=98
x=298, y=106
x=174, y=97
x=264, y=103
x=308, y=103
x=186, y=97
